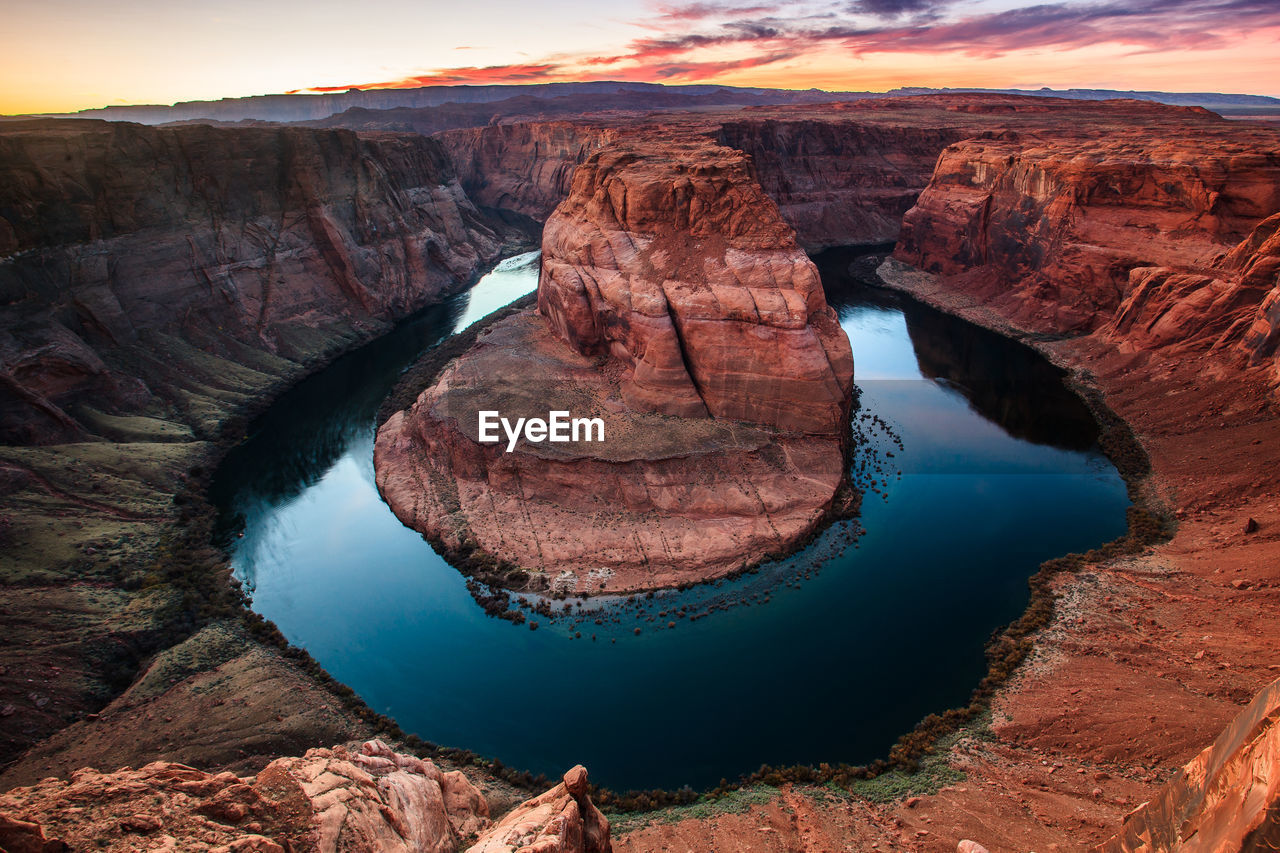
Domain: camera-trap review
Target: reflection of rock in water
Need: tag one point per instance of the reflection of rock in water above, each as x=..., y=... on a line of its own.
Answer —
x=1003, y=380
x=308, y=429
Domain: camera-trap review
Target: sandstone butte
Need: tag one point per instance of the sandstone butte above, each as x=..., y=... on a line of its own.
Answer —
x=675, y=304
x=369, y=799
x=1131, y=243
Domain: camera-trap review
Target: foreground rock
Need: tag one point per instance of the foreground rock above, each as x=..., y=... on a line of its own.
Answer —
x=563, y=820
x=1226, y=798
x=675, y=306
x=371, y=799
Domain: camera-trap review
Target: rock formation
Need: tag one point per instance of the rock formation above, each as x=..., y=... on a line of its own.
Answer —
x=670, y=258
x=1226, y=798
x=674, y=305
x=563, y=820
x=1058, y=232
x=339, y=800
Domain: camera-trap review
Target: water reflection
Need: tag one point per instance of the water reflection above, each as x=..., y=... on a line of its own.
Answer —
x=1004, y=381
x=812, y=666
x=327, y=417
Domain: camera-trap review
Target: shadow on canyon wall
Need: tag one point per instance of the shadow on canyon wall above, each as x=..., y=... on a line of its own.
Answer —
x=1003, y=380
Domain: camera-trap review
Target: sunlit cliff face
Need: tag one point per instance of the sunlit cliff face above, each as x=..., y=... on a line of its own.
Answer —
x=76, y=54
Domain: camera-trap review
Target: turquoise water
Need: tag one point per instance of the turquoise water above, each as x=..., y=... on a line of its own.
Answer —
x=828, y=656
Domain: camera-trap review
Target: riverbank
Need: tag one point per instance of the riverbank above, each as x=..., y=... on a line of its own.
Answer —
x=220, y=685
x=1142, y=661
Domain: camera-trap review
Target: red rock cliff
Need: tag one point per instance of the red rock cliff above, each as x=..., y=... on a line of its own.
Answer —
x=670, y=258
x=1059, y=232
x=840, y=182
x=122, y=246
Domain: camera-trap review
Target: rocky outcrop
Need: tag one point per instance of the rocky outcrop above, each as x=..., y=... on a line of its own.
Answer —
x=675, y=306
x=1257, y=261
x=525, y=168
x=128, y=253
x=339, y=800
x=1056, y=232
x=669, y=258
x=840, y=182
x=563, y=820
x=1226, y=798
x=661, y=502
x=157, y=285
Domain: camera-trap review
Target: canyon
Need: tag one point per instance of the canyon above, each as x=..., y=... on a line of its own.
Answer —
x=675, y=306
x=1133, y=244
x=158, y=286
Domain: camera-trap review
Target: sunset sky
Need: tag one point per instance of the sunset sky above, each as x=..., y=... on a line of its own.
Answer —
x=62, y=55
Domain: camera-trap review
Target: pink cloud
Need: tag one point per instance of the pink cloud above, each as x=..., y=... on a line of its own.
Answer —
x=762, y=35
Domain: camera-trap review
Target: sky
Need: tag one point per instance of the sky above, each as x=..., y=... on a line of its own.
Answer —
x=64, y=55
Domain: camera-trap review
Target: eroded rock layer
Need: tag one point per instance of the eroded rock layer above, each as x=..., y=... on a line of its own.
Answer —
x=671, y=259
x=1226, y=798
x=1070, y=233
x=524, y=168
x=369, y=799
x=675, y=306
x=840, y=182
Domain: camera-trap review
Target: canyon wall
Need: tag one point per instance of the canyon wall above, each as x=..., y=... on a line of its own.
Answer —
x=834, y=182
x=1136, y=232
x=157, y=285
x=123, y=244
x=840, y=182
x=526, y=169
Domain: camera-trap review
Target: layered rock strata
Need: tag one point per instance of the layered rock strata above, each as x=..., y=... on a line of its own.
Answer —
x=369, y=799
x=157, y=285
x=840, y=182
x=524, y=168
x=675, y=306
x=1068, y=234
x=120, y=243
